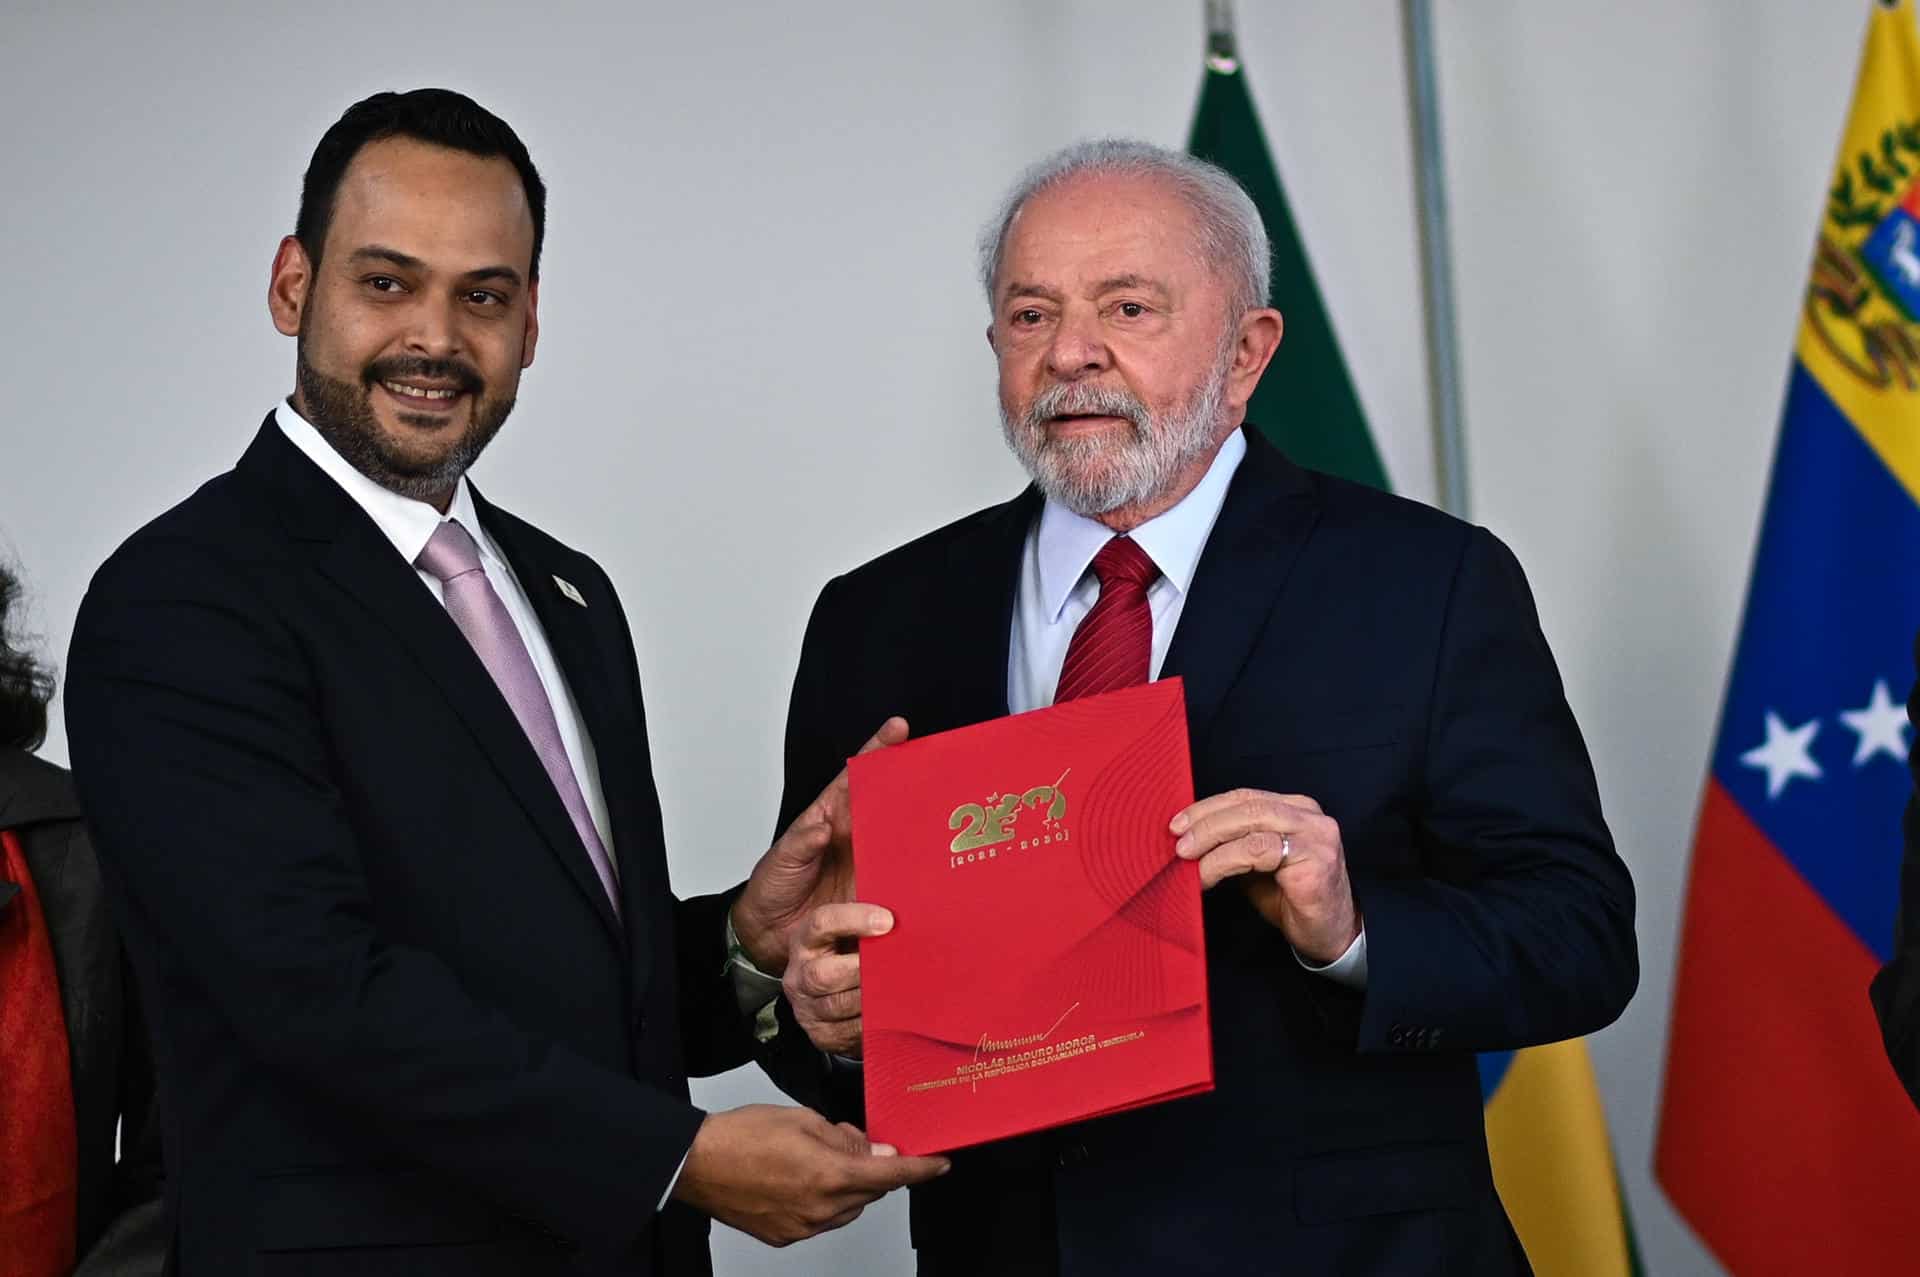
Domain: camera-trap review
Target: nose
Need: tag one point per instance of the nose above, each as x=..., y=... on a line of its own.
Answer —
x=1078, y=348
x=433, y=328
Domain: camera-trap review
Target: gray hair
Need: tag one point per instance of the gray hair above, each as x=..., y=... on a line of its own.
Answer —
x=1232, y=238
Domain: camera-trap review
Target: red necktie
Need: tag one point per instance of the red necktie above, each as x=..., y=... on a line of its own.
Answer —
x=1114, y=645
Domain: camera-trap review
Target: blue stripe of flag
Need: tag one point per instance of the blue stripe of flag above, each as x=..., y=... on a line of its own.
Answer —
x=1833, y=606
x=1493, y=1071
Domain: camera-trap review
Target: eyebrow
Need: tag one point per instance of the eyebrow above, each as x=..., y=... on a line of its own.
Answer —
x=406, y=261
x=505, y=274
x=1018, y=289
x=1115, y=283
x=391, y=256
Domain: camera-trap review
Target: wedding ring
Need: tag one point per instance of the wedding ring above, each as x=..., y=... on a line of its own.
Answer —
x=1286, y=847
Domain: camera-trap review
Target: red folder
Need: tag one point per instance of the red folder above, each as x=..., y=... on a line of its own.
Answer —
x=1046, y=963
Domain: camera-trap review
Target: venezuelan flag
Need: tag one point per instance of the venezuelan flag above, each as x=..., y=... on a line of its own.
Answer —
x=1552, y=1162
x=1784, y=1138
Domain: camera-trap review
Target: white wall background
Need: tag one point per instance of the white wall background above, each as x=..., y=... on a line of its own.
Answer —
x=763, y=363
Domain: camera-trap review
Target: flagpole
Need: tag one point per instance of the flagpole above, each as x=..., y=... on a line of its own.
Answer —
x=1223, y=54
x=1436, y=266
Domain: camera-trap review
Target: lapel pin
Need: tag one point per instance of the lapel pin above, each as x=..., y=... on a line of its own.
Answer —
x=567, y=588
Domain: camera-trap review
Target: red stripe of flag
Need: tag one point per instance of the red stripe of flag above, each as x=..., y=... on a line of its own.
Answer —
x=1770, y=1018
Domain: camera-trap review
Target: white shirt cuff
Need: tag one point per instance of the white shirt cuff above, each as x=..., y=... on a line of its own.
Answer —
x=754, y=990
x=1350, y=968
x=675, y=1181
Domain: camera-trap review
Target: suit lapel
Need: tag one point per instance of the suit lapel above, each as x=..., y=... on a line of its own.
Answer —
x=1264, y=523
x=577, y=645
x=984, y=579
x=352, y=552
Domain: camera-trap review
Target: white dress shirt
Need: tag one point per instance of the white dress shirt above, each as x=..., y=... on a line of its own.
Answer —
x=1057, y=591
x=409, y=525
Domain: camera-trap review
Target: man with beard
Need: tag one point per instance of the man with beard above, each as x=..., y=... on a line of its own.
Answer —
x=1398, y=832
x=367, y=763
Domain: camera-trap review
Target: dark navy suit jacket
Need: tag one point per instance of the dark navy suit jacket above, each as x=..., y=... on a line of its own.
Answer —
x=398, y=1026
x=1388, y=661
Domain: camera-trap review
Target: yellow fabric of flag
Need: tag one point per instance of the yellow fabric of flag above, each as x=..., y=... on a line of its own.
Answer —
x=1553, y=1164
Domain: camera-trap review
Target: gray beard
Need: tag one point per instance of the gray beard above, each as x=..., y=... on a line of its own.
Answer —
x=1092, y=477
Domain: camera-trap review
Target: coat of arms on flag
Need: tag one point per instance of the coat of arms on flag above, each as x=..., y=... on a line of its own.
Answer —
x=1785, y=1139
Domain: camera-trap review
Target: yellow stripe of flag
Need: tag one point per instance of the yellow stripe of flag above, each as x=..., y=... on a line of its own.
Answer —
x=1553, y=1164
x=1854, y=337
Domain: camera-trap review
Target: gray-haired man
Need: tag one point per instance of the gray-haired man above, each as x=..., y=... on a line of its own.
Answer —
x=1399, y=831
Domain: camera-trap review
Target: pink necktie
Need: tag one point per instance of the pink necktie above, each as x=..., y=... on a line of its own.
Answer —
x=1113, y=646
x=453, y=557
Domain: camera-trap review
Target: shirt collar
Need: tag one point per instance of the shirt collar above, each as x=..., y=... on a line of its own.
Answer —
x=407, y=523
x=1173, y=539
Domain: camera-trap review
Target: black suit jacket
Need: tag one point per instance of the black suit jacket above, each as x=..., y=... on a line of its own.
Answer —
x=399, y=1028
x=1896, y=988
x=1386, y=660
x=120, y=1231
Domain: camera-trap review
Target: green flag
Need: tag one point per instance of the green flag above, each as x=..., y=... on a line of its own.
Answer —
x=1305, y=404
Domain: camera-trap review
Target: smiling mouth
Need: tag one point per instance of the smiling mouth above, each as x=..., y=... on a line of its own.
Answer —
x=423, y=395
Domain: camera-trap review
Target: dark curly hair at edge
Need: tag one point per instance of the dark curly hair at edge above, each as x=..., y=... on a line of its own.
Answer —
x=25, y=687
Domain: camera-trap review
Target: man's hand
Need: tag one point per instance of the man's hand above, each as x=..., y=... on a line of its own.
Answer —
x=784, y=1174
x=1292, y=852
x=811, y=864
x=823, y=973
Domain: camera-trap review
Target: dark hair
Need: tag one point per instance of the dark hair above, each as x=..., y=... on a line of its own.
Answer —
x=437, y=116
x=25, y=688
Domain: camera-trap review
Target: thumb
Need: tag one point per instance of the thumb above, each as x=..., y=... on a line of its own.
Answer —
x=892, y=732
x=834, y=803
x=804, y=840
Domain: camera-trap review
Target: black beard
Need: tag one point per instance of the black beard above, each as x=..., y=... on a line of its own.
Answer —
x=343, y=414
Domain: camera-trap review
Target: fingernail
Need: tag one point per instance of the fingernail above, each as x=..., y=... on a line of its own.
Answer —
x=945, y=1166
x=1184, y=847
x=1179, y=823
x=883, y=1150
x=881, y=922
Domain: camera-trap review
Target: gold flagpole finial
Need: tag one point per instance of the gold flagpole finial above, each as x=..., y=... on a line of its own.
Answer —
x=1223, y=52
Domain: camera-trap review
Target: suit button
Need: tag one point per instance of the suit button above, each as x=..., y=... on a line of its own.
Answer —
x=1072, y=1154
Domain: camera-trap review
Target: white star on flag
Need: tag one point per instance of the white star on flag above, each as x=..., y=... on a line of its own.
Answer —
x=1882, y=726
x=1785, y=754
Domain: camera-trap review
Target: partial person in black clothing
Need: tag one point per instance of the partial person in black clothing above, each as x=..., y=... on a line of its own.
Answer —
x=1896, y=990
x=75, y=1068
